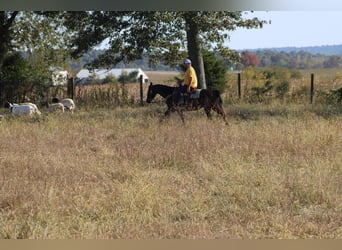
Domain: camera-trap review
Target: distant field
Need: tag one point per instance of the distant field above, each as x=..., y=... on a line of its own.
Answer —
x=163, y=77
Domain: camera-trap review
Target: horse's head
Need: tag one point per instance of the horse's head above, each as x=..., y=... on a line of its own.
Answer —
x=160, y=89
x=150, y=93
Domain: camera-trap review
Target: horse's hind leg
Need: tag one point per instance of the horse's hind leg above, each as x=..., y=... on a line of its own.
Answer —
x=208, y=112
x=220, y=110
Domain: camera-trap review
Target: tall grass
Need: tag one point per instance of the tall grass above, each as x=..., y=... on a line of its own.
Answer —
x=273, y=172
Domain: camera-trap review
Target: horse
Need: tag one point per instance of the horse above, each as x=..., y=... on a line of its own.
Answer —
x=207, y=99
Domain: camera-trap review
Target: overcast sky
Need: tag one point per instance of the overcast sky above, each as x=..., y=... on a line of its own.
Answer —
x=290, y=29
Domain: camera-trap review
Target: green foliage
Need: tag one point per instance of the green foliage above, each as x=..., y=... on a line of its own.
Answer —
x=21, y=79
x=295, y=74
x=260, y=93
x=249, y=73
x=270, y=82
x=161, y=34
x=128, y=77
x=7, y=19
x=110, y=79
x=277, y=73
x=215, y=71
x=43, y=39
x=282, y=88
x=13, y=74
x=331, y=97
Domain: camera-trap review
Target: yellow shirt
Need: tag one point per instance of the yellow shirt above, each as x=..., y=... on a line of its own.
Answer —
x=190, y=73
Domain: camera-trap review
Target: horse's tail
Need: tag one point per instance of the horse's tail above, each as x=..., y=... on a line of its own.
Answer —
x=217, y=96
x=218, y=104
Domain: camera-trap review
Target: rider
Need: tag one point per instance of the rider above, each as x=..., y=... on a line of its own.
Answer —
x=189, y=83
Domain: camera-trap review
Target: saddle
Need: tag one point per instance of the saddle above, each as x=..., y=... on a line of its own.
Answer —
x=195, y=94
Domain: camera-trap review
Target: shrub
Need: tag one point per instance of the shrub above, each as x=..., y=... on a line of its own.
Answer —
x=215, y=71
x=332, y=97
x=21, y=80
x=260, y=94
x=282, y=89
x=110, y=79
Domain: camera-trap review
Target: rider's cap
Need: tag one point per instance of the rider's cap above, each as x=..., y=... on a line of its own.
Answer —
x=187, y=61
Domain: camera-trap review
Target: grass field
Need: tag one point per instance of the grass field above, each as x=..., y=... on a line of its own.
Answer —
x=273, y=172
x=119, y=173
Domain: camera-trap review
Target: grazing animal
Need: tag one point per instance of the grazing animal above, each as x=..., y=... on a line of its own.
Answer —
x=56, y=107
x=27, y=108
x=68, y=103
x=207, y=99
x=36, y=110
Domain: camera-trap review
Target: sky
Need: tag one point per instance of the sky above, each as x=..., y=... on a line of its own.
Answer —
x=290, y=29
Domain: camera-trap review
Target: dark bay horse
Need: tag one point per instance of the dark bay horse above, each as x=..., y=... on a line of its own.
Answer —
x=208, y=99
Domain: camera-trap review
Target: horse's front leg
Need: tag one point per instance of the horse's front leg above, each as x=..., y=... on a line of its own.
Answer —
x=180, y=113
x=167, y=112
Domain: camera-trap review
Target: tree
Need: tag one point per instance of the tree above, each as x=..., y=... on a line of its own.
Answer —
x=249, y=59
x=128, y=77
x=332, y=62
x=7, y=19
x=40, y=40
x=165, y=36
x=215, y=71
x=211, y=29
x=21, y=79
x=32, y=32
x=194, y=46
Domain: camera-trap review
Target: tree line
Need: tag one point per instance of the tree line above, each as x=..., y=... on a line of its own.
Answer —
x=49, y=39
x=290, y=60
x=261, y=58
x=34, y=42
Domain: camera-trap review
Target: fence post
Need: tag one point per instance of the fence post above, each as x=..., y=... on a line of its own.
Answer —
x=312, y=89
x=239, y=85
x=141, y=90
x=70, y=87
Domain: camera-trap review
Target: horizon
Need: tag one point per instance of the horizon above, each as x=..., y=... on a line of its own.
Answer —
x=290, y=47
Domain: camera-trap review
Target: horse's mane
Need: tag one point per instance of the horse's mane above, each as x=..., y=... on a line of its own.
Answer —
x=163, y=86
x=163, y=90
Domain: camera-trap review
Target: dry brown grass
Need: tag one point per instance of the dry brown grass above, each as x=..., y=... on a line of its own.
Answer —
x=163, y=77
x=120, y=173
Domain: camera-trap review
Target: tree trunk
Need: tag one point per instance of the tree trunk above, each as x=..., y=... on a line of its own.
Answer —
x=5, y=33
x=194, y=48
